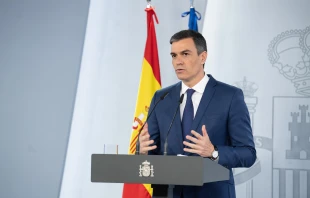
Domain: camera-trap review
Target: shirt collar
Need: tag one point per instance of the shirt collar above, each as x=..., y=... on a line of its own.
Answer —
x=199, y=87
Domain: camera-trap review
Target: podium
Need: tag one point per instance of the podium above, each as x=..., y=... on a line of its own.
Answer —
x=161, y=171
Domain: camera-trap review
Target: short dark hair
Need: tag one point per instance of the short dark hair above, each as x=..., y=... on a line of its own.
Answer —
x=199, y=40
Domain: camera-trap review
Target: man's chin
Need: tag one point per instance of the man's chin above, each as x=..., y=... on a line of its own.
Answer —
x=181, y=77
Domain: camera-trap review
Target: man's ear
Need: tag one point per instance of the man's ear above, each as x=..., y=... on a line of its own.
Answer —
x=203, y=57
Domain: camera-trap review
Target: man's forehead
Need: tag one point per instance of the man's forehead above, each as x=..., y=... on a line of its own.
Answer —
x=182, y=45
x=182, y=49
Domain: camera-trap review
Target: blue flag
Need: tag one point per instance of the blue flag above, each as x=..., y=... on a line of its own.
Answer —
x=193, y=17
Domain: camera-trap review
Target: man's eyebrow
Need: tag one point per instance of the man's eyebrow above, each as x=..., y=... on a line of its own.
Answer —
x=182, y=52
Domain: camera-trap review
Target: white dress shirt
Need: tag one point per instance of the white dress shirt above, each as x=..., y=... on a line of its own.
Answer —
x=197, y=95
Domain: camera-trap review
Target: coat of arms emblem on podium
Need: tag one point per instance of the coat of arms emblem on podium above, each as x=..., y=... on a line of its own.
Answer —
x=146, y=170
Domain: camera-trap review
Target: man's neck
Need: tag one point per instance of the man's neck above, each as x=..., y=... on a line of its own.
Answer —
x=194, y=81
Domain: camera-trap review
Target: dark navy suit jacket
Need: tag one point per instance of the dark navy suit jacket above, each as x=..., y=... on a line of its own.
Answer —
x=223, y=110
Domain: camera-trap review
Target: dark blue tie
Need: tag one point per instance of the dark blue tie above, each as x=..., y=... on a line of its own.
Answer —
x=188, y=114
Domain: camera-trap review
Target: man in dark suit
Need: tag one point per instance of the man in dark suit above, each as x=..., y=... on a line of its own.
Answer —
x=213, y=120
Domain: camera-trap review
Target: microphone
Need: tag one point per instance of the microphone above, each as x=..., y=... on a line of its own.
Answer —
x=166, y=142
x=148, y=116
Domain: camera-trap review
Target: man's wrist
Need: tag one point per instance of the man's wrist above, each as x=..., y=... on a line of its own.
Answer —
x=214, y=154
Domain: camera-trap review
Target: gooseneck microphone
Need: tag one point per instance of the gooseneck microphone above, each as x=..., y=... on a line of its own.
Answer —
x=176, y=111
x=148, y=116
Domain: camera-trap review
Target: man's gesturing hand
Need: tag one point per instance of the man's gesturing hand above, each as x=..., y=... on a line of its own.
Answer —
x=201, y=143
x=145, y=142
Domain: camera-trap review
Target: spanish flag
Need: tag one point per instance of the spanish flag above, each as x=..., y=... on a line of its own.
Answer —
x=149, y=83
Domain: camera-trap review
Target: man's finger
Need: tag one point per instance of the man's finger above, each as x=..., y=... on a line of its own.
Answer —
x=143, y=133
x=195, y=140
x=191, y=145
x=192, y=150
x=147, y=143
x=197, y=135
x=145, y=137
x=149, y=148
x=145, y=129
x=204, y=131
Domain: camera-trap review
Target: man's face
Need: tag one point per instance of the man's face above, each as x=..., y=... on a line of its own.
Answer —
x=188, y=65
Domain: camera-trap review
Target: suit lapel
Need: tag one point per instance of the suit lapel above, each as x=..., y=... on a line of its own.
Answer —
x=204, y=102
x=175, y=135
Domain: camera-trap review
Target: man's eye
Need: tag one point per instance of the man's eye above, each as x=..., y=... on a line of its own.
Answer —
x=185, y=54
x=173, y=55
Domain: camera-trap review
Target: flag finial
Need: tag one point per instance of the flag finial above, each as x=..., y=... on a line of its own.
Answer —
x=192, y=3
x=148, y=3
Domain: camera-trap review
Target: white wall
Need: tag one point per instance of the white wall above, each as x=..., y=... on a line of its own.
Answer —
x=41, y=44
x=252, y=40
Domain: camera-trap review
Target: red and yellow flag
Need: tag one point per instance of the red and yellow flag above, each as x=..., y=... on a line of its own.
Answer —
x=149, y=83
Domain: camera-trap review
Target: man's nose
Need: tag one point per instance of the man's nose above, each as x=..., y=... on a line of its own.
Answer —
x=179, y=61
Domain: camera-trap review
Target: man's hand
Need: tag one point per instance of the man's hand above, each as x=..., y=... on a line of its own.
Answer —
x=145, y=142
x=201, y=144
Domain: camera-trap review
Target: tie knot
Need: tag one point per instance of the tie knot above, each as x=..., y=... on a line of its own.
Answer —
x=190, y=92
